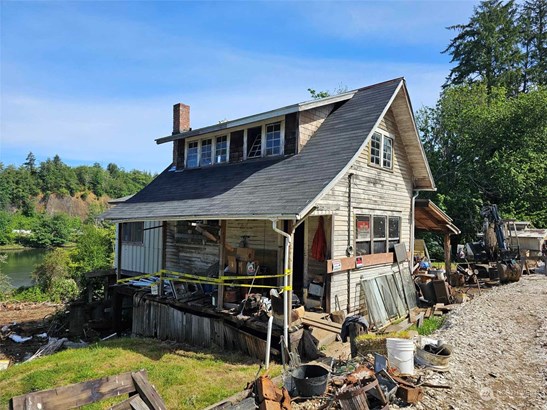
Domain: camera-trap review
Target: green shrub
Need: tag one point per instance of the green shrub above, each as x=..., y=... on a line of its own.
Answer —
x=31, y=294
x=55, y=266
x=64, y=290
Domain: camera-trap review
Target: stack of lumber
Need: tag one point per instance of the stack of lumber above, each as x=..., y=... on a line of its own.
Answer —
x=323, y=329
x=142, y=395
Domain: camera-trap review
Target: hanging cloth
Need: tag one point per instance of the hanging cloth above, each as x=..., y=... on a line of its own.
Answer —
x=319, y=245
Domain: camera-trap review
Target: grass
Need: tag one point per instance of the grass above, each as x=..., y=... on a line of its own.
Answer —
x=429, y=326
x=186, y=379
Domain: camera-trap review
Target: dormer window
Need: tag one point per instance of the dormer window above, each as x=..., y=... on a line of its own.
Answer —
x=221, y=150
x=273, y=139
x=207, y=151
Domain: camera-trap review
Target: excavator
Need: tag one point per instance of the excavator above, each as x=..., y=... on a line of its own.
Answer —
x=493, y=253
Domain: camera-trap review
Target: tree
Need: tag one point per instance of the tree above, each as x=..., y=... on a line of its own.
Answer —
x=487, y=48
x=317, y=95
x=54, y=267
x=533, y=37
x=30, y=163
x=483, y=148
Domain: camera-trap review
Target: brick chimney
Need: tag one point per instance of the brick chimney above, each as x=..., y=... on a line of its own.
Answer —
x=181, y=123
x=181, y=118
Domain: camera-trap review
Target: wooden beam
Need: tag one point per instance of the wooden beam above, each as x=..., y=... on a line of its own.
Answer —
x=119, y=264
x=147, y=392
x=447, y=261
x=76, y=395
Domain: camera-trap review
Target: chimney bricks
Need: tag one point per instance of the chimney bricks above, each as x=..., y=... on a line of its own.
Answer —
x=181, y=118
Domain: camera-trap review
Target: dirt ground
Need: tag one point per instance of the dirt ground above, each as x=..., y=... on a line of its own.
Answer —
x=500, y=351
x=24, y=319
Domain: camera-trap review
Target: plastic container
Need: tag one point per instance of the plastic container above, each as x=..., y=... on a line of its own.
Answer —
x=400, y=354
x=310, y=380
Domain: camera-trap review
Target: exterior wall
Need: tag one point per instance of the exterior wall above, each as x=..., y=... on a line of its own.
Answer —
x=262, y=239
x=189, y=258
x=310, y=121
x=388, y=192
x=314, y=268
x=145, y=258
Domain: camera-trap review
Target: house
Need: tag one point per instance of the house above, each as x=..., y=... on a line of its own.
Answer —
x=320, y=193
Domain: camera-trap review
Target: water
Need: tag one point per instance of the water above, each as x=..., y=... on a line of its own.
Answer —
x=20, y=265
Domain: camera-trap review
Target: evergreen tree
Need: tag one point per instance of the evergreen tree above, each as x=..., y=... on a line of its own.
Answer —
x=533, y=32
x=486, y=49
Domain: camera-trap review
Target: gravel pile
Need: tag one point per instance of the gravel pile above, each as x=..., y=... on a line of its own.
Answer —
x=500, y=351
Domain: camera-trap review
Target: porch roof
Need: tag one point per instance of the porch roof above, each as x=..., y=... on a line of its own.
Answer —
x=270, y=188
x=429, y=217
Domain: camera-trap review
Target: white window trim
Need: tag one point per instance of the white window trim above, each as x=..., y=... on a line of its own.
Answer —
x=371, y=215
x=213, y=150
x=384, y=134
x=282, y=136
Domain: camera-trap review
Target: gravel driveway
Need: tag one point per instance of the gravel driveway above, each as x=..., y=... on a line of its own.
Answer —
x=500, y=351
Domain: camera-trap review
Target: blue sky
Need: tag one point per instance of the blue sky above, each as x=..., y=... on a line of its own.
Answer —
x=95, y=81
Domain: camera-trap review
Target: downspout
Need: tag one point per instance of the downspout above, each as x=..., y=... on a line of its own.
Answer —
x=285, y=282
x=412, y=230
x=349, y=249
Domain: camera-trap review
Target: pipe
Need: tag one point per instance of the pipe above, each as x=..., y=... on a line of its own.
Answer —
x=285, y=282
x=268, y=342
x=349, y=248
x=412, y=230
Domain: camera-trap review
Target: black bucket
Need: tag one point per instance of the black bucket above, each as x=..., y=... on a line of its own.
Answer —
x=310, y=380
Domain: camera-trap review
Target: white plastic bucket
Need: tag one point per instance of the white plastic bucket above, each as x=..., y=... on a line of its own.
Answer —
x=400, y=353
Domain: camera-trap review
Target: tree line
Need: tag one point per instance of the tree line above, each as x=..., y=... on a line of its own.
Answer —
x=22, y=187
x=486, y=138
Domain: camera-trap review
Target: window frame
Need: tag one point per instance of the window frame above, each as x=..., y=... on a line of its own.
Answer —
x=199, y=141
x=265, y=139
x=135, y=234
x=386, y=240
x=380, y=161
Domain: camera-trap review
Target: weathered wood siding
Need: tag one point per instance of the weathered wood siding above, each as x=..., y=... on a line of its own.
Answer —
x=145, y=258
x=165, y=322
x=374, y=190
x=189, y=258
x=310, y=121
x=236, y=146
x=291, y=133
x=262, y=239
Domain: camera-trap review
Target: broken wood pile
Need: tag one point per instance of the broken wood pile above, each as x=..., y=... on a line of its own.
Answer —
x=142, y=395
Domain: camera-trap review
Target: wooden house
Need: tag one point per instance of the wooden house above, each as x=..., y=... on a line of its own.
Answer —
x=321, y=192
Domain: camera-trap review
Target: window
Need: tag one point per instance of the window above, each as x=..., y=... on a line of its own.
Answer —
x=362, y=240
x=376, y=233
x=192, y=154
x=206, y=152
x=381, y=150
x=273, y=139
x=221, y=150
x=133, y=232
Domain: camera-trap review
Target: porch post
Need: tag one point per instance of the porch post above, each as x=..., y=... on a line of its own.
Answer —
x=221, y=258
x=119, y=254
x=290, y=230
x=447, y=261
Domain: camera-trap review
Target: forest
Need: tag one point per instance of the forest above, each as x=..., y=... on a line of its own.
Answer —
x=485, y=139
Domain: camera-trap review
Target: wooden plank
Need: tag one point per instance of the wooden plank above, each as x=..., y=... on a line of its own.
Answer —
x=75, y=395
x=137, y=403
x=147, y=392
x=321, y=326
x=323, y=322
x=123, y=405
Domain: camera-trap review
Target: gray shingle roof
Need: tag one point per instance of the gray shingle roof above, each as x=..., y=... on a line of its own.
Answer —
x=267, y=188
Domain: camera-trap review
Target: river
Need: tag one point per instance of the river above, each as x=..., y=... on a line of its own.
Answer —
x=20, y=264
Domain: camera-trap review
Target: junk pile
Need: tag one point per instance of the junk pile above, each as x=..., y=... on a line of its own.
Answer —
x=141, y=394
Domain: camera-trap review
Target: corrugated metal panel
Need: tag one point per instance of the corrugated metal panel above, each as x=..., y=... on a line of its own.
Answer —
x=145, y=258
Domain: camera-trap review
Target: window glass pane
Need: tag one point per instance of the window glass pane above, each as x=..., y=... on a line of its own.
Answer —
x=363, y=248
x=375, y=145
x=363, y=227
x=380, y=247
x=192, y=155
x=394, y=227
x=206, y=152
x=273, y=139
x=388, y=151
x=133, y=232
x=379, y=227
x=221, y=150
x=392, y=245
